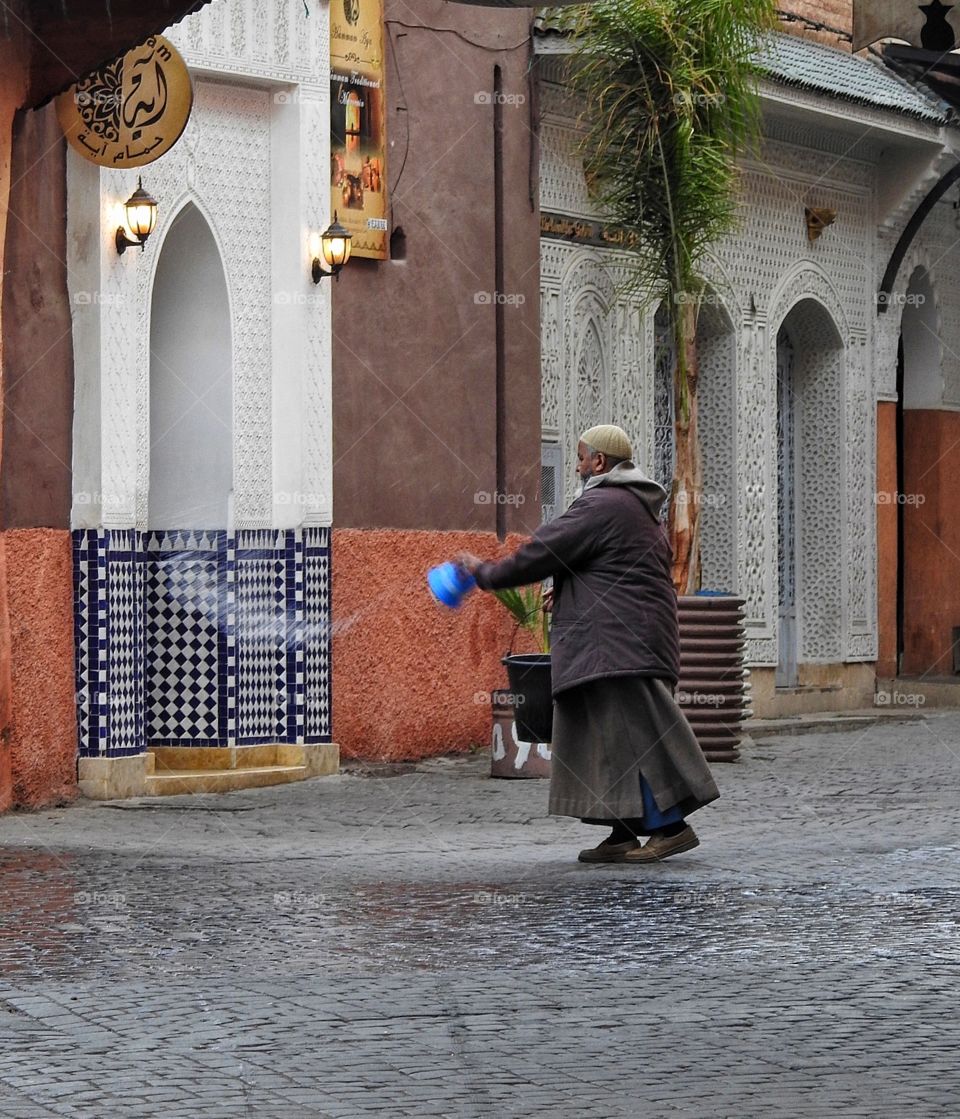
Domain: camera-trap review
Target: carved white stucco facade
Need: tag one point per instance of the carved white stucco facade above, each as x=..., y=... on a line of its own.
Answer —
x=254, y=160
x=767, y=276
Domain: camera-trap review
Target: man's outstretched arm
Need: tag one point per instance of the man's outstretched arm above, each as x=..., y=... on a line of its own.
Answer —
x=558, y=547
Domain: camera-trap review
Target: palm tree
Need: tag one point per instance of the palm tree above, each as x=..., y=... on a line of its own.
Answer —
x=670, y=92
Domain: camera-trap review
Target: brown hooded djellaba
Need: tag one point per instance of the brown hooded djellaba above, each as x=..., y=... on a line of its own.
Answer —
x=615, y=652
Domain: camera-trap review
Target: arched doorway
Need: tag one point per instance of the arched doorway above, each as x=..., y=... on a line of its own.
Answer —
x=809, y=370
x=191, y=389
x=189, y=508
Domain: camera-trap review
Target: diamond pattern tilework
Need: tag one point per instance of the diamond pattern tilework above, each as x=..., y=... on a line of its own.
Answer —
x=295, y=634
x=84, y=640
x=201, y=638
x=316, y=575
x=185, y=614
x=228, y=646
x=108, y=624
x=262, y=559
x=124, y=678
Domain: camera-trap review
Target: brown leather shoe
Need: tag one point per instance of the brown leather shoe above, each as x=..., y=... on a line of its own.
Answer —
x=660, y=847
x=608, y=852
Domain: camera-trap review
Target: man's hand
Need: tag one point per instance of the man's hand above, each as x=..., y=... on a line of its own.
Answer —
x=548, y=600
x=468, y=562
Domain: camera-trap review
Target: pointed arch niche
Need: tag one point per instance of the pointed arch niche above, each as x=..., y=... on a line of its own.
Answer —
x=191, y=382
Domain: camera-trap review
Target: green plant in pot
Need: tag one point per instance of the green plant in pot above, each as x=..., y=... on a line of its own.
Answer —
x=529, y=673
x=526, y=604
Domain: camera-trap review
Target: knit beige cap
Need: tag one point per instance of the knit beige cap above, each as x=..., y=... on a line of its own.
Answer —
x=609, y=439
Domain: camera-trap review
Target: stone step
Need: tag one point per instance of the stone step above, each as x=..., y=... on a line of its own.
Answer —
x=826, y=722
x=161, y=759
x=168, y=770
x=178, y=782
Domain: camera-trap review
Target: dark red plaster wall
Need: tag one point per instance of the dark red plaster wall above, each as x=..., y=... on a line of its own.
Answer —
x=414, y=352
x=35, y=477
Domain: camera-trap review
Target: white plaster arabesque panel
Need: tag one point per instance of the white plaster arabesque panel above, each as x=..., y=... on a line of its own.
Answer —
x=594, y=361
x=717, y=418
x=266, y=57
x=231, y=177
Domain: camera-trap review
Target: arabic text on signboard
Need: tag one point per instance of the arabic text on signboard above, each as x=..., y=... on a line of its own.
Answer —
x=131, y=111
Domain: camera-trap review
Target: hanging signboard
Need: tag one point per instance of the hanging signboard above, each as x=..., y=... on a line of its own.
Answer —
x=132, y=110
x=934, y=26
x=358, y=134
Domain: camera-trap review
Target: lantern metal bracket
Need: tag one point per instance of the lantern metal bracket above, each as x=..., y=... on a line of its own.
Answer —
x=318, y=272
x=123, y=242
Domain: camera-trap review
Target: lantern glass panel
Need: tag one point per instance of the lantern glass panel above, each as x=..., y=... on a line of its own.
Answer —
x=141, y=218
x=336, y=251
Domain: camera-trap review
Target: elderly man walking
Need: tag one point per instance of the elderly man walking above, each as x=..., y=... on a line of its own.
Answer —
x=623, y=753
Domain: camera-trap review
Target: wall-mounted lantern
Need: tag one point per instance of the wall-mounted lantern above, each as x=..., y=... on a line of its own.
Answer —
x=141, y=218
x=335, y=248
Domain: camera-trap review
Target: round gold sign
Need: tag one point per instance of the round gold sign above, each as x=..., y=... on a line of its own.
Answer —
x=132, y=110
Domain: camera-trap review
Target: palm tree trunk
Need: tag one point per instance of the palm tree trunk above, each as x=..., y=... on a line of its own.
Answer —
x=684, y=522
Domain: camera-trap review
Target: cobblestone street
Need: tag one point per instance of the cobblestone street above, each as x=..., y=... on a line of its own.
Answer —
x=423, y=942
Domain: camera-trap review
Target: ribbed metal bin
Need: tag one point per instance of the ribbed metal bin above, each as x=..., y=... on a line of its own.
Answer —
x=510, y=755
x=714, y=687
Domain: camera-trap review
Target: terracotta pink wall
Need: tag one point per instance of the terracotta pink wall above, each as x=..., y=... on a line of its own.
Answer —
x=931, y=540
x=406, y=671
x=43, y=737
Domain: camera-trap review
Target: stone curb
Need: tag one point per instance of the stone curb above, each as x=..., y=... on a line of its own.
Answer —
x=824, y=723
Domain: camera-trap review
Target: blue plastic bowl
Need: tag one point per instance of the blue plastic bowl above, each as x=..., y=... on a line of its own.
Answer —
x=449, y=583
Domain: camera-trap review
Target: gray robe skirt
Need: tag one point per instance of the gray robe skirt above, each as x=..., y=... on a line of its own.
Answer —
x=608, y=732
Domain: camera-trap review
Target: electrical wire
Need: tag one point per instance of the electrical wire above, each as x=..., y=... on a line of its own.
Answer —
x=406, y=150
x=396, y=66
x=814, y=25
x=458, y=35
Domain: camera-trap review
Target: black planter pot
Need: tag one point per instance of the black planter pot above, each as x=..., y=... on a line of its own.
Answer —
x=530, y=684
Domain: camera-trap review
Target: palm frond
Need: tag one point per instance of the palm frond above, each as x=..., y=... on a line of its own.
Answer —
x=526, y=606
x=670, y=101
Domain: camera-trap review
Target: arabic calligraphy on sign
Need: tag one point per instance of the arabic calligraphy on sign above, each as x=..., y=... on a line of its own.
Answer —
x=132, y=110
x=586, y=232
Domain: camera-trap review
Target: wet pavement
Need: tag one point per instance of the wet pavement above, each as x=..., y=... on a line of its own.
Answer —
x=422, y=942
